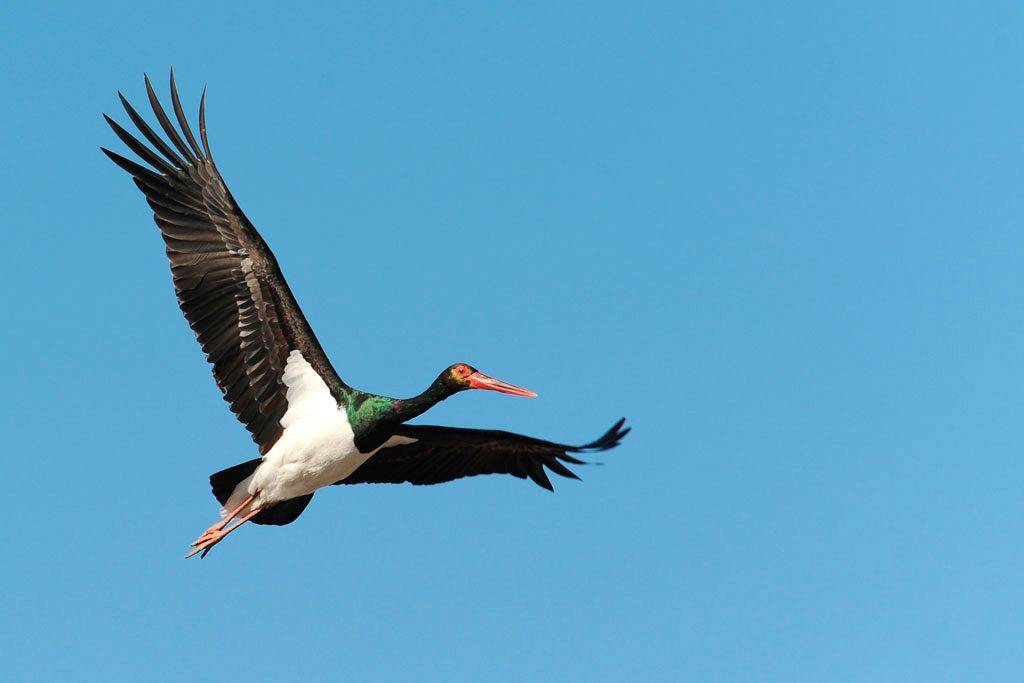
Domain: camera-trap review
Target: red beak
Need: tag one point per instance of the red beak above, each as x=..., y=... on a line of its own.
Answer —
x=479, y=380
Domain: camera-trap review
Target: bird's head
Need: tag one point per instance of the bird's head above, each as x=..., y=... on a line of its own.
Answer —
x=462, y=376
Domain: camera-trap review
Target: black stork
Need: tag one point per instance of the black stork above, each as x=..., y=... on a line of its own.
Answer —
x=312, y=429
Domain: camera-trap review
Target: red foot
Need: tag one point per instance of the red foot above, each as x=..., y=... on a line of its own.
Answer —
x=204, y=543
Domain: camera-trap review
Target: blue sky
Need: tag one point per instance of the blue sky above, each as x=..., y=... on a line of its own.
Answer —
x=784, y=241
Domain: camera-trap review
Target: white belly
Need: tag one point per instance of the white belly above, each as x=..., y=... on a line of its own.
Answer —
x=317, y=446
x=319, y=450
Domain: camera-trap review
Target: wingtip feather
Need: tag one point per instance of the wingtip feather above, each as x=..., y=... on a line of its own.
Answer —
x=179, y=113
x=606, y=441
x=146, y=154
x=165, y=122
x=202, y=125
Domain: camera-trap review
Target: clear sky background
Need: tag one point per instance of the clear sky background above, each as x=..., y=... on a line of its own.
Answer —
x=786, y=242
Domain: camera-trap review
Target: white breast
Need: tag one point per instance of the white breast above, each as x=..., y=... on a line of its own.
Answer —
x=317, y=447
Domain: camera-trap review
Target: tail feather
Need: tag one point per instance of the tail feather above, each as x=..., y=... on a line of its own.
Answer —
x=284, y=512
x=224, y=482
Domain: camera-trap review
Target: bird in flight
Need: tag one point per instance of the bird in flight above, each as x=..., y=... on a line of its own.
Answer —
x=312, y=429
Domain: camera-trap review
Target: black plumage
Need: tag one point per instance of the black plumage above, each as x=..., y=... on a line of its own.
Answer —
x=231, y=290
x=227, y=281
x=442, y=454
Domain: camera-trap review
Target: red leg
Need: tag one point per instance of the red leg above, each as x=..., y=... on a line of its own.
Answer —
x=215, y=537
x=224, y=522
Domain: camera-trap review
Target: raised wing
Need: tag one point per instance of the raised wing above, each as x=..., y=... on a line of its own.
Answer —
x=421, y=454
x=228, y=283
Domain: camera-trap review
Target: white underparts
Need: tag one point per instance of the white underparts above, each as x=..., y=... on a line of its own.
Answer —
x=317, y=447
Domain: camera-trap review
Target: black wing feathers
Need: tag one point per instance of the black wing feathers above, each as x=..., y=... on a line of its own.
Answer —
x=227, y=281
x=442, y=454
x=179, y=113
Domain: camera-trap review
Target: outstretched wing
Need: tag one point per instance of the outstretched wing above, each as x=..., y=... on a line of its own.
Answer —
x=421, y=454
x=228, y=283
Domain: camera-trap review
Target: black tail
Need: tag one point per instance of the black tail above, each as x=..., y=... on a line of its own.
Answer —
x=224, y=482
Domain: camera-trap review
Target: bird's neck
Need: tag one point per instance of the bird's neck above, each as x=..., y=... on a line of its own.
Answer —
x=374, y=418
x=405, y=409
